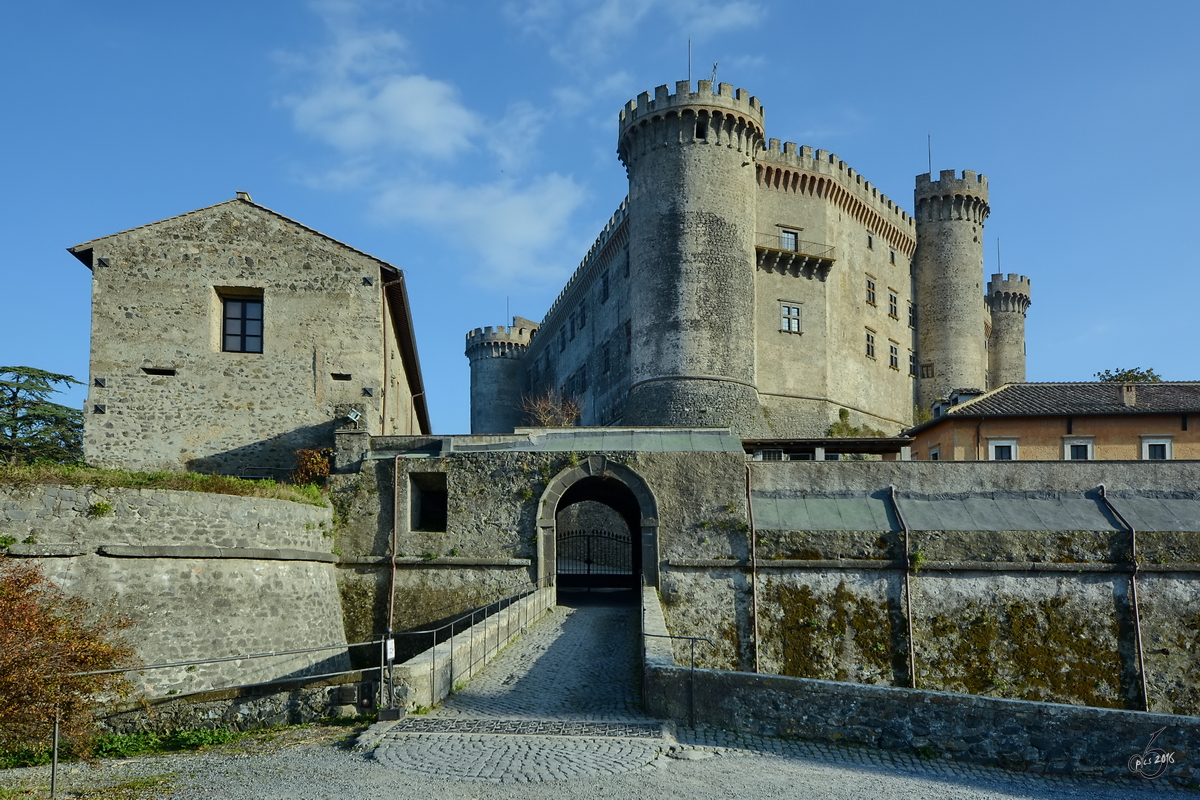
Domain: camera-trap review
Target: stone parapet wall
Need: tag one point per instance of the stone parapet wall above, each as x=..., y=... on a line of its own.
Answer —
x=1028, y=736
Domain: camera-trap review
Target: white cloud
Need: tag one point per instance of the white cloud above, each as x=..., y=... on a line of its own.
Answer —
x=584, y=32
x=410, y=112
x=386, y=120
x=516, y=230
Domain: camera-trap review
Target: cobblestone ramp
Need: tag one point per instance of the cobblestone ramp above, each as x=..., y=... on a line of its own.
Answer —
x=561, y=702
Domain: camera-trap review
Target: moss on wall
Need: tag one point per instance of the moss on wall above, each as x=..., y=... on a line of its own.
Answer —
x=1052, y=649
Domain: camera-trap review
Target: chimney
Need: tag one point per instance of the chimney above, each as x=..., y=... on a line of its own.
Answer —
x=1129, y=394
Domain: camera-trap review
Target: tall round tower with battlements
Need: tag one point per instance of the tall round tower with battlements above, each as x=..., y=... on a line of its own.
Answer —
x=497, y=360
x=1007, y=298
x=690, y=157
x=951, y=311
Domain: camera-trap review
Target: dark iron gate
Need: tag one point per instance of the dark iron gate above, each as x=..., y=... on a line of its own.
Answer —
x=594, y=558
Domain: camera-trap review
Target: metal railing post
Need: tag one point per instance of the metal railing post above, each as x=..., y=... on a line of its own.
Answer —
x=692, y=687
x=54, y=758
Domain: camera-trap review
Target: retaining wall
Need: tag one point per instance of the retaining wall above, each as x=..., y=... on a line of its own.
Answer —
x=1015, y=734
x=200, y=575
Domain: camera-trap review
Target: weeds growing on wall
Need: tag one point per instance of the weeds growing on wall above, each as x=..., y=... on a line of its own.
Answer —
x=76, y=475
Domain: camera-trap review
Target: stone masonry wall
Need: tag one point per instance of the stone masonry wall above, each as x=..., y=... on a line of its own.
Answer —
x=1033, y=615
x=164, y=393
x=200, y=575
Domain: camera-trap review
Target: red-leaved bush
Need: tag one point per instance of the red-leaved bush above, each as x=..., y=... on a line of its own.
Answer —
x=45, y=636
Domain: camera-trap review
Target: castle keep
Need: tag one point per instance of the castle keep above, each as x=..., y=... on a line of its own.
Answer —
x=762, y=286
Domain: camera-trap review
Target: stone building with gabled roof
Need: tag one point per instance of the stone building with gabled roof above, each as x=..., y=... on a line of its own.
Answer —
x=1066, y=421
x=227, y=338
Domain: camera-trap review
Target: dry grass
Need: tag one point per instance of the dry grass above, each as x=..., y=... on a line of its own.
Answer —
x=74, y=475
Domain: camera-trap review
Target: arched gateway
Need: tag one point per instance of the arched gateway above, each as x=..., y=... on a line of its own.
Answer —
x=609, y=534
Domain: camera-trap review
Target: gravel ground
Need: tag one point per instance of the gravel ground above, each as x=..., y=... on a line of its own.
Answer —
x=320, y=771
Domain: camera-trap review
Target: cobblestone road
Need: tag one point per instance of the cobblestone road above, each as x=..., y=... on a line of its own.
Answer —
x=561, y=704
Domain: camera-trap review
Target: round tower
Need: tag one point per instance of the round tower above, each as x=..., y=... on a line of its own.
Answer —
x=1007, y=298
x=951, y=312
x=497, y=372
x=690, y=157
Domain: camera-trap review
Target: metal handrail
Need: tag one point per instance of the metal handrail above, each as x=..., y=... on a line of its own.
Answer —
x=775, y=240
x=691, y=670
x=387, y=664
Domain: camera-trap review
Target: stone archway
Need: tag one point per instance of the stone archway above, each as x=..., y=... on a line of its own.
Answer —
x=619, y=488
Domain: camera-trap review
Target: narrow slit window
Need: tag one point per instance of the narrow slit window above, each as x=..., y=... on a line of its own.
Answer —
x=340, y=376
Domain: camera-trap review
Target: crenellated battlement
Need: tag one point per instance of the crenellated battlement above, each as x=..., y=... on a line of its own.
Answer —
x=1009, y=294
x=725, y=98
x=788, y=166
x=499, y=341
x=948, y=184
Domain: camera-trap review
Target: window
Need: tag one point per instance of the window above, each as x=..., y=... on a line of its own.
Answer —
x=912, y=365
x=871, y=241
x=935, y=454
x=571, y=326
x=788, y=240
x=427, y=501
x=242, y=329
x=789, y=318
x=912, y=316
x=768, y=455
x=927, y=370
x=893, y=304
x=894, y=355
x=1078, y=448
x=1156, y=448
x=562, y=340
x=871, y=290
x=582, y=317
x=628, y=336
x=870, y=343
x=1002, y=450
x=892, y=257
x=604, y=288
x=604, y=359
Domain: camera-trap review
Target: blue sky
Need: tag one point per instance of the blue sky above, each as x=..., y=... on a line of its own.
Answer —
x=473, y=144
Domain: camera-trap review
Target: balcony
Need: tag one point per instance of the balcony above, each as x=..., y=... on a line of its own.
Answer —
x=781, y=251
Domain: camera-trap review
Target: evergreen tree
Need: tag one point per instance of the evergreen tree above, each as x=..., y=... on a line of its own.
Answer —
x=31, y=427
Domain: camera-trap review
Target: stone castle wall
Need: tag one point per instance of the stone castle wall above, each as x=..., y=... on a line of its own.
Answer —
x=715, y=353
x=996, y=613
x=200, y=575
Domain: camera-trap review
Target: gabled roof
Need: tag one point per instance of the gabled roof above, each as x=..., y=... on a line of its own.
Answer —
x=392, y=278
x=1075, y=399
x=83, y=251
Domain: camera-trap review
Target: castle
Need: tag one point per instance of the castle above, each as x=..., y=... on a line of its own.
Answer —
x=759, y=286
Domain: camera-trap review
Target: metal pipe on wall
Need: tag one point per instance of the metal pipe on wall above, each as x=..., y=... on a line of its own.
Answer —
x=912, y=657
x=1133, y=595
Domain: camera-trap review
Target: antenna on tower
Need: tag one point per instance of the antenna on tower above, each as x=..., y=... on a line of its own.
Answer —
x=714, y=75
x=505, y=309
x=998, y=255
x=929, y=149
x=689, y=62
